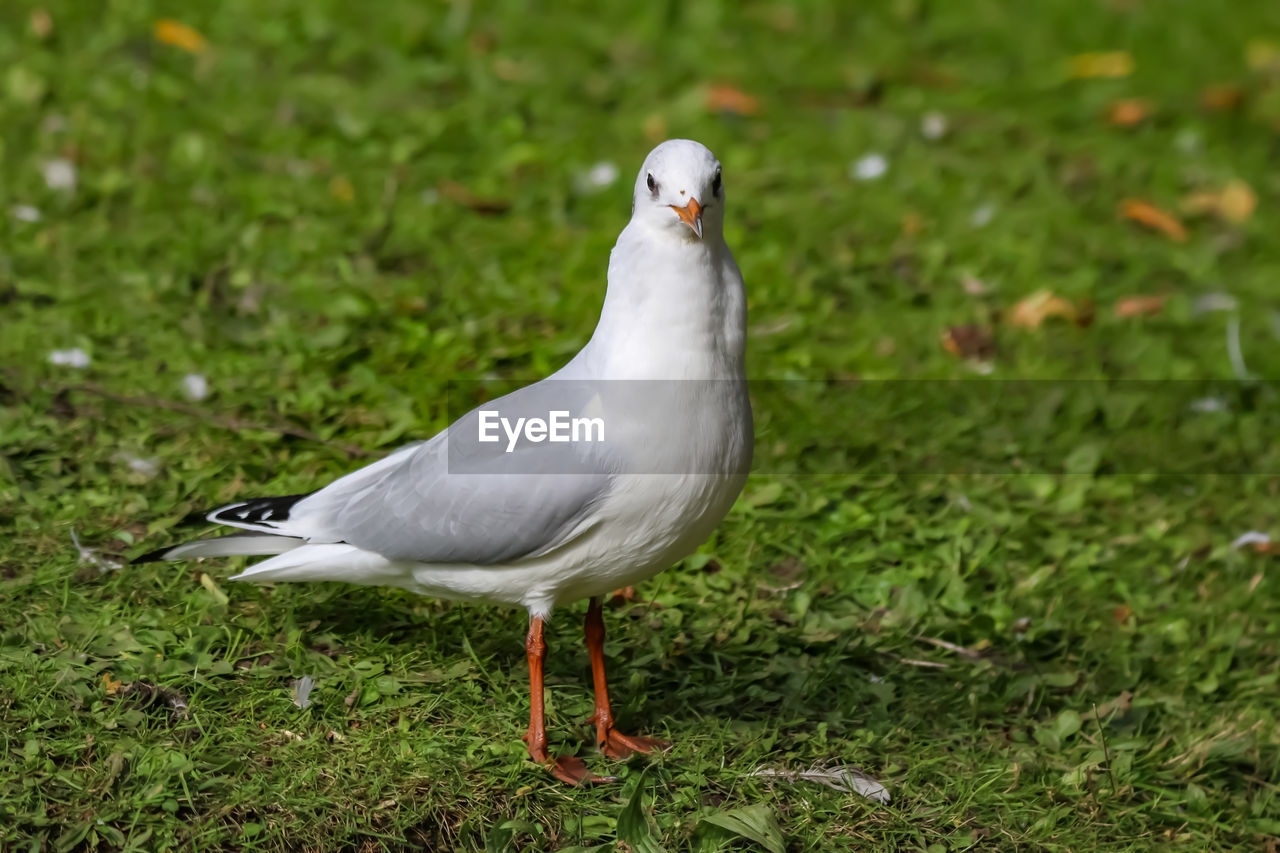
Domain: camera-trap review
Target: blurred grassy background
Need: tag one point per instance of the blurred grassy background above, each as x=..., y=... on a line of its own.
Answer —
x=327, y=211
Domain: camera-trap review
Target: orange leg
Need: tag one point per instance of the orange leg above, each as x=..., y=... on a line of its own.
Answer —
x=612, y=742
x=565, y=768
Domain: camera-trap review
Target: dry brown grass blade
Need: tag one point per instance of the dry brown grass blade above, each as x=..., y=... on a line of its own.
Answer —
x=1146, y=213
x=963, y=651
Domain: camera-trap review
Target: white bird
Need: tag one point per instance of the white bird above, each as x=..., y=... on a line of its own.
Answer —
x=538, y=523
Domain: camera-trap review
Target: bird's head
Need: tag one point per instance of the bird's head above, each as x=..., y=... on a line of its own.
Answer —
x=680, y=191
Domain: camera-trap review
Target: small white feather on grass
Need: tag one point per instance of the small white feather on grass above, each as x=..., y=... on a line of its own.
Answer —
x=841, y=777
x=302, y=691
x=1251, y=537
x=89, y=556
x=75, y=357
x=195, y=386
x=869, y=167
x=59, y=174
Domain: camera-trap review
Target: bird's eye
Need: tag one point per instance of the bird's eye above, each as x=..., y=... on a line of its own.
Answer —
x=653, y=185
x=715, y=183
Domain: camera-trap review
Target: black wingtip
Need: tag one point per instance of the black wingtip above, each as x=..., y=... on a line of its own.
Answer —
x=155, y=556
x=265, y=511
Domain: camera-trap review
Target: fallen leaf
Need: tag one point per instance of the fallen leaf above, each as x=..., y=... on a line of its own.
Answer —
x=179, y=35
x=1237, y=201
x=1121, y=703
x=1140, y=306
x=970, y=341
x=143, y=695
x=1040, y=306
x=1221, y=98
x=1153, y=217
x=341, y=189
x=724, y=98
x=1116, y=63
x=655, y=127
x=1234, y=203
x=463, y=196
x=1128, y=112
x=1262, y=55
x=41, y=23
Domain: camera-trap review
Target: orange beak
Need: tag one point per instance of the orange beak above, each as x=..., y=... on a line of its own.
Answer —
x=691, y=215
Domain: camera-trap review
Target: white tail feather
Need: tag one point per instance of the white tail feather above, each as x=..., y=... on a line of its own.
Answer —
x=237, y=545
x=329, y=562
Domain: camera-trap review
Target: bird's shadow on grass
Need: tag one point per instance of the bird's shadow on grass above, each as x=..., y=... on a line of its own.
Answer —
x=788, y=683
x=355, y=614
x=745, y=684
x=776, y=679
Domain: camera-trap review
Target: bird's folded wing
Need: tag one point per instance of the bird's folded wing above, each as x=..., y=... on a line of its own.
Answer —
x=466, y=504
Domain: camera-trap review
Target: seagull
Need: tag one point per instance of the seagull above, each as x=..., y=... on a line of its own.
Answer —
x=512, y=516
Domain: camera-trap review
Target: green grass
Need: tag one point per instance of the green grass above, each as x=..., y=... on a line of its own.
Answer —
x=271, y=214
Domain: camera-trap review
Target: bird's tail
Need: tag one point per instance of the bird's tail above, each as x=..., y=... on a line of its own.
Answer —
x=246, y=544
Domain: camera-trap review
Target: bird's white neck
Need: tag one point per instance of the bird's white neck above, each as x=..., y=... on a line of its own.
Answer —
x=674, y=309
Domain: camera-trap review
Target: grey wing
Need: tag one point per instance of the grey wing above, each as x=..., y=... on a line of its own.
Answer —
x=471, y=504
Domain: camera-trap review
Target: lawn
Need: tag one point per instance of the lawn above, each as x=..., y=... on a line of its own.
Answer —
x=248, y=246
